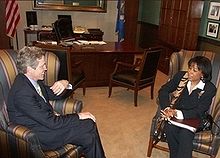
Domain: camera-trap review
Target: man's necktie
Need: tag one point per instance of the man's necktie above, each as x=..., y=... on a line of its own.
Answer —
x=40, y=92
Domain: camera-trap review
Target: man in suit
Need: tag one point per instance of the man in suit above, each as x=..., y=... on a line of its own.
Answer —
x=28, y=105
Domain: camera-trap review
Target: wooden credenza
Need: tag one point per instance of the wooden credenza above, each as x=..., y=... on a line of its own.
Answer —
x=98, y=60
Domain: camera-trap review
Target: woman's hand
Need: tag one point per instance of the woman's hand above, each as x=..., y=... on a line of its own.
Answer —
x=168, y=113
x=59, y=86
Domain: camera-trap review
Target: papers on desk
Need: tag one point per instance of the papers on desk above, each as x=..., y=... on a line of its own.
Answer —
x=48, y=42
x=69, y=40
x=84, y=42
x=67, y=43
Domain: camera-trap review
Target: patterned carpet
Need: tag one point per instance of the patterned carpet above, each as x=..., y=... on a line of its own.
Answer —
x=124, y=129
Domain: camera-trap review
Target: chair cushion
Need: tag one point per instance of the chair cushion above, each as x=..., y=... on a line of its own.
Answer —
x=127, y=76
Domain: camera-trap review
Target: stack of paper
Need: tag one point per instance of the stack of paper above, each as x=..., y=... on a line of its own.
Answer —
x=84, y=42
x=190, y=124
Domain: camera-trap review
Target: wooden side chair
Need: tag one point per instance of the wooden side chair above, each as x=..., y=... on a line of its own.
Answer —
x=206, y=142
x=128, y=76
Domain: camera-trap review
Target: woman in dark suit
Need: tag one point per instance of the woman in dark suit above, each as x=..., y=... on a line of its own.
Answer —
x=194, y=100
x=28, y=105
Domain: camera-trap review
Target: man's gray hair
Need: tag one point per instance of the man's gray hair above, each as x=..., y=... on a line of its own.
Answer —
x=28, y=56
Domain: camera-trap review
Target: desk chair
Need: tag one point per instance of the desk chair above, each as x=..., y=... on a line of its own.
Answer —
x=63, y=29
x=206, y=142
x=126, y=75
x=17, y=140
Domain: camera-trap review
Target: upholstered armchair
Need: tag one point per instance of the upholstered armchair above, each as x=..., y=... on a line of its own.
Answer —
x=19, y=141
x=206, y=142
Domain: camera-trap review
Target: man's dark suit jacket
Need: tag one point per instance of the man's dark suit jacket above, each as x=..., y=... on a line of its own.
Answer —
x=192, y=106
x=26, y=107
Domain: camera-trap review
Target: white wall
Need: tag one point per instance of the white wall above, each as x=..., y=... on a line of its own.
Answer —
x=105, y=21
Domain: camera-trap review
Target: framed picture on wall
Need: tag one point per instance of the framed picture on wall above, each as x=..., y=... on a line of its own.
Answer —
x=214, y=11
x=212, y=29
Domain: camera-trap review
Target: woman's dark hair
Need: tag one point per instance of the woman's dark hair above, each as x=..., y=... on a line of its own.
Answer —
x=204, y=65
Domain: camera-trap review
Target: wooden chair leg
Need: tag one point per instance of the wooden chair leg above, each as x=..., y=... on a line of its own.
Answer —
x=135, y=97
x=150, y=147
x=152, y=91
x=84, y=89
x=110, y=89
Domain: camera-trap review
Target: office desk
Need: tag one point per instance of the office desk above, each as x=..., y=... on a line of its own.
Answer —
x=98, y=60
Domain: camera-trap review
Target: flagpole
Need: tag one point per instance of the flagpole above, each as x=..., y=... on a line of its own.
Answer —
x=17, y=40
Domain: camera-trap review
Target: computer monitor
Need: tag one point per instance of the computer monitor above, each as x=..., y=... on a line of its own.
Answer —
x=65, y=16
x=31, y=17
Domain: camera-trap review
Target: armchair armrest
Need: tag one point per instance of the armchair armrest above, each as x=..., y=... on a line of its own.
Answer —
x=216, y=124
x=155, y=121
x=209, y=139
x=67, y=106
x=26, y=137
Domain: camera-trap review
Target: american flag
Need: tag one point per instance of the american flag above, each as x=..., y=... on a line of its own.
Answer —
x=12, y=16
x=120, y=20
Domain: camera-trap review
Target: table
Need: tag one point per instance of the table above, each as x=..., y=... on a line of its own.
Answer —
x=98, y=60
